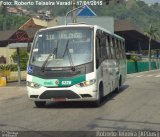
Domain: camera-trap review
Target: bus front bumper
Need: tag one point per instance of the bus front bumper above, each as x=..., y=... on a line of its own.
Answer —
x=63, y=94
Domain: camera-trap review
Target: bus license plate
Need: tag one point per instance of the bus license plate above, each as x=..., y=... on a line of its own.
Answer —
x=58, y=99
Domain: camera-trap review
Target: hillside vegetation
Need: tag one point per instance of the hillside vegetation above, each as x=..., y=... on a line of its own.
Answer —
x=8, y=21
x=137, y=12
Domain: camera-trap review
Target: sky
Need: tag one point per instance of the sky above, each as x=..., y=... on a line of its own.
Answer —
x=151, y=1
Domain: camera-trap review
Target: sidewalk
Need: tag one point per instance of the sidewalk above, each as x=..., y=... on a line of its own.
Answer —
x=15, y=84
x=13, y=90
x=144, y=72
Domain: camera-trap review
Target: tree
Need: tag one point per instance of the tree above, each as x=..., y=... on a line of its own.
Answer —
x=4, y=9
x=152, y=33
x=23, y=58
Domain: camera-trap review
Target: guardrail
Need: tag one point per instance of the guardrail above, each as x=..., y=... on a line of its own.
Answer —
x=141, y=66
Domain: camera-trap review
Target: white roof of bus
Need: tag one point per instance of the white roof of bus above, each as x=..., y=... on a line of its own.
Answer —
x=82, y=25
x=70, y=25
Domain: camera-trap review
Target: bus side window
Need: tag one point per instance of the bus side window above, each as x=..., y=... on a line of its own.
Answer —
x=117, y=49
x=107, y=47
x=97, y=47
x=97, y=52
x=103, y=48
x=113, y=48
x=121, y=48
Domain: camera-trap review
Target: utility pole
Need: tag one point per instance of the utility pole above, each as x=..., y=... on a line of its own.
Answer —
x=71, y=11
x=74, y=16
x=149, y=50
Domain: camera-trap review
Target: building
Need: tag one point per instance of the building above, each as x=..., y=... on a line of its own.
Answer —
x=134, y=37
x=5, y=52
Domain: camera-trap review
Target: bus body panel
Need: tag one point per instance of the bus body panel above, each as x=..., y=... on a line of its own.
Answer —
x=79, y=91
x=109, y=72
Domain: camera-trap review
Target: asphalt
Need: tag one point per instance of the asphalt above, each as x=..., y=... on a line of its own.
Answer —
x=135, y=108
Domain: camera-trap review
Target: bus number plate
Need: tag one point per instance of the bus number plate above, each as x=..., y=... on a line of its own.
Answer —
x=58, y=99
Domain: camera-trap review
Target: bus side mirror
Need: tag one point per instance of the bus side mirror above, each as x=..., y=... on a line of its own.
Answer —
x=29, y=47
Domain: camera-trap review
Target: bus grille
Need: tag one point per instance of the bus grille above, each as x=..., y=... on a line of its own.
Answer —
x=34, y=96
x=85, y=95
x=49, y=94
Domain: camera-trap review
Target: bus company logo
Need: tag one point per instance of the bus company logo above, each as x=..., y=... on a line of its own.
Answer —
x=57, y=82
x=50, y=83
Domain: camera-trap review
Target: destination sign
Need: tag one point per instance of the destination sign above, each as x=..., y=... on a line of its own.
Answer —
x=76, y=35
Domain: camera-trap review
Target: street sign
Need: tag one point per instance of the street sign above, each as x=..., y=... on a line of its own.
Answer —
x=86, y=11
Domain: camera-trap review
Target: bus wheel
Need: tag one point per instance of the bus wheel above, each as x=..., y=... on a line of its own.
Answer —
x=40, y=104
x=117, y=90
x=98, y=102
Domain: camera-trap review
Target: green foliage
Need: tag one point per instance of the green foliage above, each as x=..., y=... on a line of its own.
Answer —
x=152, y=32
x=3, y=9
x=11, y=67
x=8, y=21
x=23, y=59
x=135, y=58
x=136, y=11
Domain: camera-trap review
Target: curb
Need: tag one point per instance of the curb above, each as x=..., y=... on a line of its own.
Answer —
x=145, y=72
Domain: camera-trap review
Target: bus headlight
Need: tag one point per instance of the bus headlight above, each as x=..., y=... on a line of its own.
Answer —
x=86, y=83
x=33, y=85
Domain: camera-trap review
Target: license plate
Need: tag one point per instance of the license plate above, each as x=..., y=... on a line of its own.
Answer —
x=58, y=99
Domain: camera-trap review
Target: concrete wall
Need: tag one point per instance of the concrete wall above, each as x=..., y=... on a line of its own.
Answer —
x=103, y=21
x=135, y=67
x=7, y=54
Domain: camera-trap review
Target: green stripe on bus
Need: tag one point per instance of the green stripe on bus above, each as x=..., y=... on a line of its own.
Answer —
x=71, y=81
x=45, y=82
x=62, y=82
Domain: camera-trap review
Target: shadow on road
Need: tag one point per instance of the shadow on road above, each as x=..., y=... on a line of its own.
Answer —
x=121, y=124
x=84, y=104
x=113, y=94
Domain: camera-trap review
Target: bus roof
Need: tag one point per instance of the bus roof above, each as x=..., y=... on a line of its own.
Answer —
x=113, y=34
x=83, y=25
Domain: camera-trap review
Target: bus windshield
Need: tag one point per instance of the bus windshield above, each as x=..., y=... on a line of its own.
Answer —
x=63, y=45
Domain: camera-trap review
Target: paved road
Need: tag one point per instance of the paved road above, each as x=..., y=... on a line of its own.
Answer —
x=136, y=107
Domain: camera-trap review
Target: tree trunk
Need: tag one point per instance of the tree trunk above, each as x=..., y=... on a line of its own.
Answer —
x=149, y=55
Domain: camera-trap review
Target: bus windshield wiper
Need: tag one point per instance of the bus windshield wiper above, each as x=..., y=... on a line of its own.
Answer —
x=69, y=56
x=45, y=62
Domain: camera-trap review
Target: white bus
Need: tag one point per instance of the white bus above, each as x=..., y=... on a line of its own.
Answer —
x=75, y=62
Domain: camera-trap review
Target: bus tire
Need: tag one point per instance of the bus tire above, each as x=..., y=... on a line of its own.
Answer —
x=40, y=104
x=117, y=90
x=98, y=102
